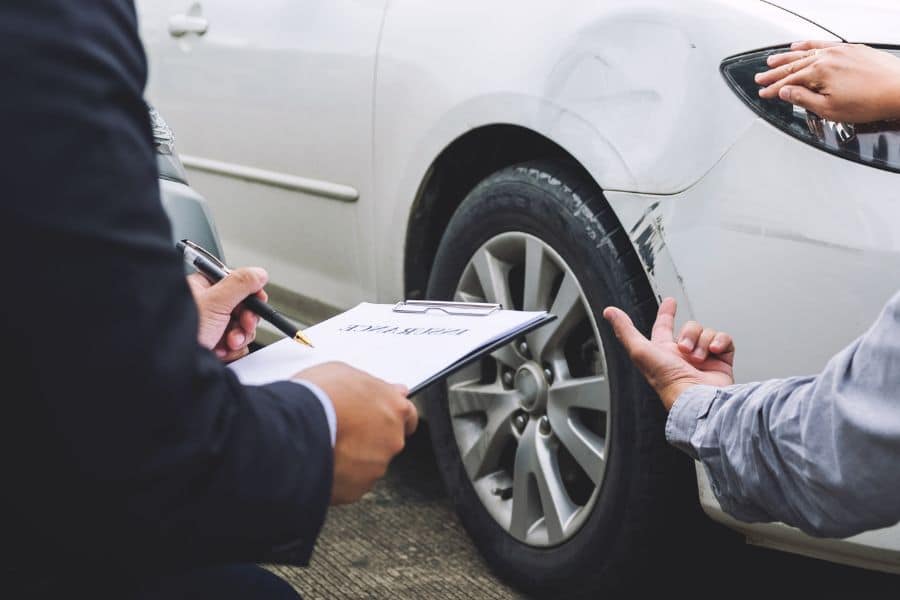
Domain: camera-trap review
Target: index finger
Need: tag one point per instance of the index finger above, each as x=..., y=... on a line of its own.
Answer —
x=812, y=44
x=777, y=60
x=664, y=327
x=785, y=70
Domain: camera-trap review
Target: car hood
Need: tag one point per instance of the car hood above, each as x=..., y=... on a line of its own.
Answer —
x=863, y=21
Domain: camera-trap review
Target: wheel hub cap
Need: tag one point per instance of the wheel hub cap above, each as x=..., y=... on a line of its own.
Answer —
x=532, y=385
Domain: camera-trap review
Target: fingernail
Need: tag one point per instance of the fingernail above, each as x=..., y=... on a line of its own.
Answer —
x=757, y=77
x=239, y=339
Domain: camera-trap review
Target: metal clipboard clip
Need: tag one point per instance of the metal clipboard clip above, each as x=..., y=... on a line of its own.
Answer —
x=470, y=309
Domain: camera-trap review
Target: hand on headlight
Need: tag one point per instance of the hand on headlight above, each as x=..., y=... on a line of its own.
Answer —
x=848, y=83
x=701, y=355
x=224, y=325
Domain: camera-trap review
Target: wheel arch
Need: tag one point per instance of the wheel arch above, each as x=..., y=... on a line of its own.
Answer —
x=484, y=150
x=452, y=175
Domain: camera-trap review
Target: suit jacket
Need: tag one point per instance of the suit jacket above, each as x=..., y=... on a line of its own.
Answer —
x=121, y=440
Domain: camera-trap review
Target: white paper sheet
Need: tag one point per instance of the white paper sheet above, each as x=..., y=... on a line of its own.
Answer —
x=397, y=347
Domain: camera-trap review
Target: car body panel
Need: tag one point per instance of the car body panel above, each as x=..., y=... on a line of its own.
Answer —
x=736, y=257
x=624, y=86
x=862, y=21
x=241, y=94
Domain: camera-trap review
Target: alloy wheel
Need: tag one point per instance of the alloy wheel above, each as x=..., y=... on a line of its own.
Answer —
x=532, y=421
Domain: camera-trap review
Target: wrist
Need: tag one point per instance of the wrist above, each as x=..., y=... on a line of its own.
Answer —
x=894, y=111
x=890, y=101
x=670, y=393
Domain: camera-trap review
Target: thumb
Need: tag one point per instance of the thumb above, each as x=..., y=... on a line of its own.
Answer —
x=632, y=339
x=231, y=291
x=411, y=419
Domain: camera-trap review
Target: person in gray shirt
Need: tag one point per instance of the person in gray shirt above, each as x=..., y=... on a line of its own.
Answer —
x=821, y=453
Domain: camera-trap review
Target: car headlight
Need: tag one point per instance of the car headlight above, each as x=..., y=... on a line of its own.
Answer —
x=167, y=160
x=873, y=144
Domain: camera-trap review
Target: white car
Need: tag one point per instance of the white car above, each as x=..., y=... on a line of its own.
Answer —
x=561, y=155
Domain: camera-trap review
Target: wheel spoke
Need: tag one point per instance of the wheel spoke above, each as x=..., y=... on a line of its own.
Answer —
x=467, y=397
x=569, y=310
x=555, y=502
x=508, y=356
x=526, y=501
x=498, y=405
x=583, y=392
x=585, y=446
x=461, y=296
x=539, y=274
x=492, y=274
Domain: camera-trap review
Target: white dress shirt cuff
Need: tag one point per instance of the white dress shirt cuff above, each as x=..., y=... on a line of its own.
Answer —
x=326, y=405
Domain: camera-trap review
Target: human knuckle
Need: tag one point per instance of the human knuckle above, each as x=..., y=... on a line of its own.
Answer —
x=817, y=65
x=243, y=277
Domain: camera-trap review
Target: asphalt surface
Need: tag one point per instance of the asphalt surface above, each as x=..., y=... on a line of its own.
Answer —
x=403, y=541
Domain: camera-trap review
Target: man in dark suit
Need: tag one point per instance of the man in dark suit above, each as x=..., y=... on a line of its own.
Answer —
x=134, y=464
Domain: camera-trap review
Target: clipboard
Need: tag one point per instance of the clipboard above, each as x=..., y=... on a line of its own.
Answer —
x=415, y=342
x=479, y=309
x=475, y=309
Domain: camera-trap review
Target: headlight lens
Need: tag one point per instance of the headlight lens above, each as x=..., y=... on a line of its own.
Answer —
x=167, y=160
x=873, y=144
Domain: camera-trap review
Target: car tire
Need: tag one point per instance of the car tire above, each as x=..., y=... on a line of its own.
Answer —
x=646, y=486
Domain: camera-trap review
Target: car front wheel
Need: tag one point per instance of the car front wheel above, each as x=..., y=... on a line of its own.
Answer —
x=552, y=447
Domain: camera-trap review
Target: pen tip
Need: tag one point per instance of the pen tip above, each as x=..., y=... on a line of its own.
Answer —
x=300, y=337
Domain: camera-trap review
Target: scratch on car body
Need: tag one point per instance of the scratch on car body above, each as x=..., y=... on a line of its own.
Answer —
x=648, y=237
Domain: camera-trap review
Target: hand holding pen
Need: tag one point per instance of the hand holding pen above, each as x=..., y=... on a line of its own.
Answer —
x=225, y=325
x=247, y=282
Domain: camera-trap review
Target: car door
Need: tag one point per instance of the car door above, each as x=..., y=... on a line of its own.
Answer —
x=271, y=105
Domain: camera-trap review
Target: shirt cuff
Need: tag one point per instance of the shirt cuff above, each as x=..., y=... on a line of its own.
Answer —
x=326, y=405
x=691, y=406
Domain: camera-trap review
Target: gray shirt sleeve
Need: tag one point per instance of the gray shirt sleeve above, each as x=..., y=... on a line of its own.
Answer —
x=819, y=453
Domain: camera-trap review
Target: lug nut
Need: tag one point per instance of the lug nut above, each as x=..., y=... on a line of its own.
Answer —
x=508, y=378
x=523, y=348
x=544, y=426
x=520, y=421
x=548, y=374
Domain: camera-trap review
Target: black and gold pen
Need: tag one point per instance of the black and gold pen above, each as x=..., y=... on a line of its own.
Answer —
x=215, y=270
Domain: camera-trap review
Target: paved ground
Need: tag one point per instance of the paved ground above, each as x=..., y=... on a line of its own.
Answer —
x=403, y=541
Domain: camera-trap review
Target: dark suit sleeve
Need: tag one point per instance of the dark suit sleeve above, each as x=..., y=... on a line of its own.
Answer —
x=121, y=439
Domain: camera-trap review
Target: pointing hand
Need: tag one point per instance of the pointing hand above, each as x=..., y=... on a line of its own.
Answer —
x=701, y=355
